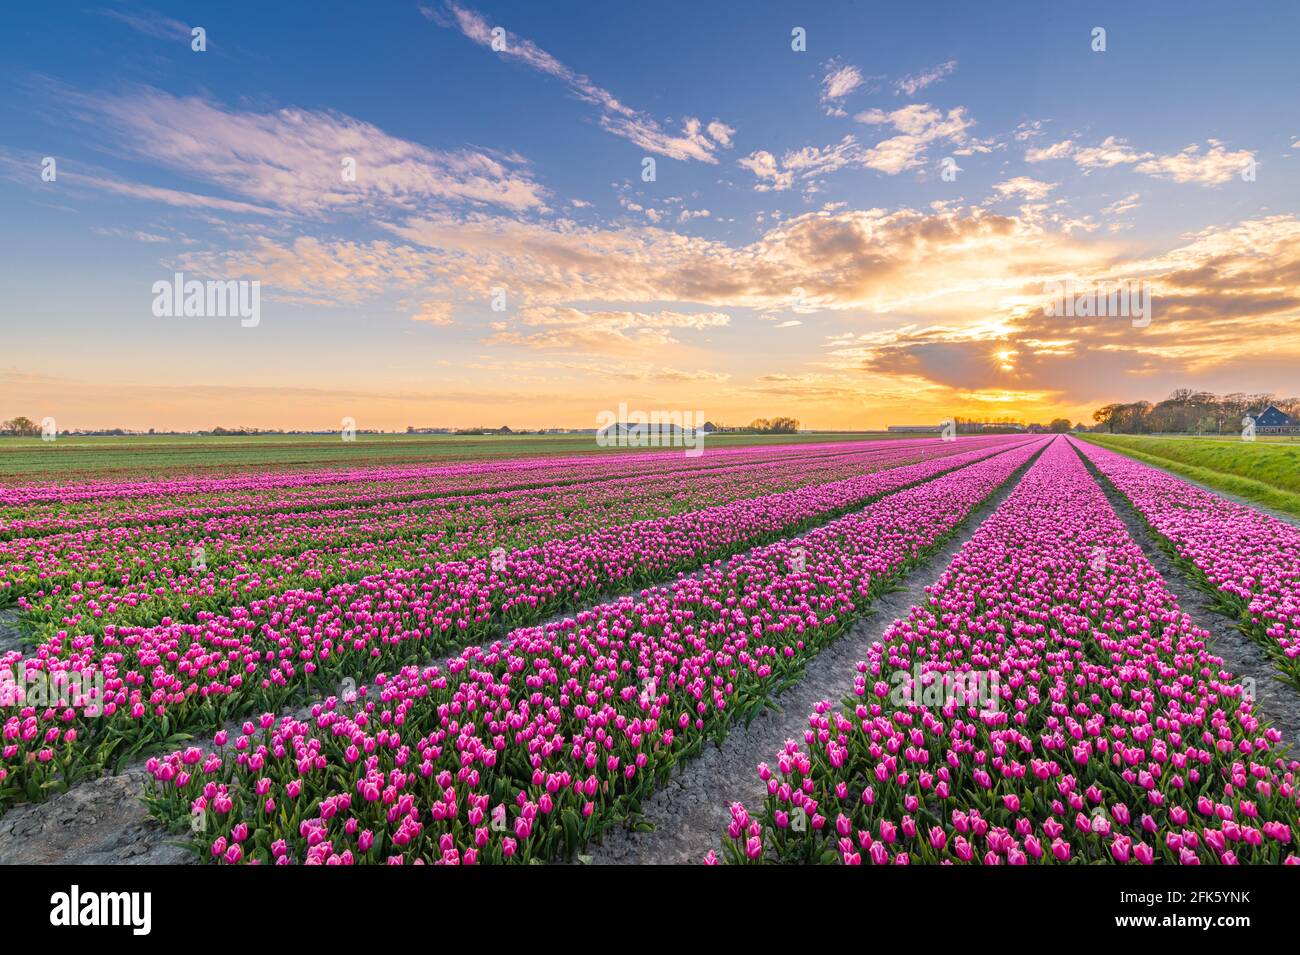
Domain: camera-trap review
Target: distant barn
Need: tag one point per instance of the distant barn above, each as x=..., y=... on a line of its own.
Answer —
x=1273, y=421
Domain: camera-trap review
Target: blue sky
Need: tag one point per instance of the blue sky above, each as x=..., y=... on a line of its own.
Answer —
x=799, y=252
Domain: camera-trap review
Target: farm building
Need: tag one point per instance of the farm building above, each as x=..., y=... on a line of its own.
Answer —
x=1273, y=421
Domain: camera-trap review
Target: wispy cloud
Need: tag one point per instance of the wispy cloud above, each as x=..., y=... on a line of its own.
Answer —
x=300, y=161
x=696, y=141
x=1123, y=205
x=917, y=127
x=149, y=23
x=1211, y=166
x=913, y=83
x=1024, y=186
x=310, y=271
x=434, y=313
x=612, y=332
x=838, y=81
x=21, y=168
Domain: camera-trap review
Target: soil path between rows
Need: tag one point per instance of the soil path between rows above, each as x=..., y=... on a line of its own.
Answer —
x=11, y=637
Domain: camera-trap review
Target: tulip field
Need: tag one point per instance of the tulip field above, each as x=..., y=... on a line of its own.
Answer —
x=1114, y=735
x=306, y=581
x=502, y=661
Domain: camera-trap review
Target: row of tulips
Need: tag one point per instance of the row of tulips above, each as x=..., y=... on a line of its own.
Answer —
x=70, y=506
x=86, y=580
x=1048, y=703
x=1251, y=561
x=134, y=573
x=186, y=677
x=531, y=747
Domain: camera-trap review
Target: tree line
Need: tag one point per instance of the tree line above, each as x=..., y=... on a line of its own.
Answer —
x=20, y=427
x=1190, y=412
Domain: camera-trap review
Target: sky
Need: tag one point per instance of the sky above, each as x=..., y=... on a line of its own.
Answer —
x=854, y=214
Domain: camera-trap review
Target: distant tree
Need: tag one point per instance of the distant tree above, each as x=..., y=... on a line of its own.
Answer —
x=20, y=427
x=1106, y=415
x=774, y=426
x=1059, y=425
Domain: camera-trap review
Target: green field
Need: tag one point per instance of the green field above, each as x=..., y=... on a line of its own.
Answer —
x=1266, y=472
x=27, y=460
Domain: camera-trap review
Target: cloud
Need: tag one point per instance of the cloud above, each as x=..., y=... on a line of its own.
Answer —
x=1212, y=166
x=840, y=260
x=18, y=167
x=917, y=125
x=1111, y=152
x=1123, y=205
x=694, y=142
x=296, y=160
x=1032, y=189
x=1214, y=299
x=1055, y=151
x=768, y=171
x=170, y=197
x=137, y=234
x=150, y=23
x=838, y=81
x=1028, y=130
x=311, y=271
x=434, y=313
x=721, y=133
x=913, y=83
x=609, y=332
x=641, y=371
x=833, y=260
x=966, y=283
